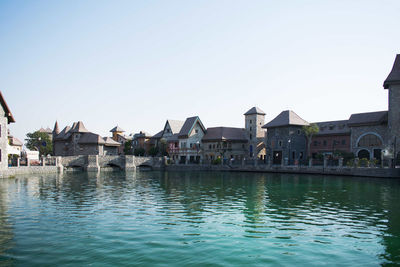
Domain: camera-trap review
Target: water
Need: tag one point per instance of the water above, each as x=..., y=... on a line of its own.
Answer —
x=198, y=219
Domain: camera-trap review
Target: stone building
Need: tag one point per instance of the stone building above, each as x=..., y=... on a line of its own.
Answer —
x=332, y=136
x=77, y=140
x=119, y=136
x=5, y=119
x=392, y=83
x=285, y=140
x=226, y=143
x=141, y=140
x=254, y=121
x=189, y=139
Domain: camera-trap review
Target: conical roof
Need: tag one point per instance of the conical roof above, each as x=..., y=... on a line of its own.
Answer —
x=254, y=110
x=394, y=75
x=56, y=130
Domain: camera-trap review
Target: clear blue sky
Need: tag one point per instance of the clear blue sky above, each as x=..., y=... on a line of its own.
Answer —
x=138, y=63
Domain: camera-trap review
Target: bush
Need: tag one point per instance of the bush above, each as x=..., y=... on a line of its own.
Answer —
x=217, y=161
x=363, y=162
x=139, y=151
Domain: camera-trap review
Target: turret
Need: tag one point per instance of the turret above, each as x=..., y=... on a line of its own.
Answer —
x=254, y=120
x=392, y=83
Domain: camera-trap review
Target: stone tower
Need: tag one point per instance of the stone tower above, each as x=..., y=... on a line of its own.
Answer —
x=115, y=132
x=254, y=120
x=392, y=83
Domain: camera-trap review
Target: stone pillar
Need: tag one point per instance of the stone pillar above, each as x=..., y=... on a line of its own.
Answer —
x=242, y=162
x=28, y=162
x=93, y=163
x=43, y=161
x=130, y=163
x=59, y=165
x=310, y=162
x=325, y=162
x=18, y=161
x=340, y=162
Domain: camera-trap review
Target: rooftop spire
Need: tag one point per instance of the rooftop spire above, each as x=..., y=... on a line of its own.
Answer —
x=56, y=130
x=394, y=75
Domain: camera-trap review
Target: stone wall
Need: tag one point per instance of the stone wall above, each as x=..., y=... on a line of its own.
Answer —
x=358, y=131
x=12, y=171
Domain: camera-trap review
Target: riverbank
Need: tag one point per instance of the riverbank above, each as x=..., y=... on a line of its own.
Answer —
x=318, y=170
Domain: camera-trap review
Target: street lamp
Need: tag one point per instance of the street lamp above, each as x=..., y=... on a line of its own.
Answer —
x=289, y=142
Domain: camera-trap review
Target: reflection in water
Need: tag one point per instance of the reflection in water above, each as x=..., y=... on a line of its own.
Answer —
x=198, y=218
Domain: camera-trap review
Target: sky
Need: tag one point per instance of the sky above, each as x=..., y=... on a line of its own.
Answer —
x=138, y=63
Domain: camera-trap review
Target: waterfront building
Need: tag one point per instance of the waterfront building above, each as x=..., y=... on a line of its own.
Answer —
x=77, y=140
x=332, y=136
x=254, y=121
x=189, y=139
x=170, y=134
x=5, y=119
x=119, y=136
x=285, y=139
x=141, y=140
x=14, y=145
x=226, y=143
x=47, y=131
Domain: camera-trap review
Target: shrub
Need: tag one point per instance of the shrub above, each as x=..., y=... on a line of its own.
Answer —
x=217, y=161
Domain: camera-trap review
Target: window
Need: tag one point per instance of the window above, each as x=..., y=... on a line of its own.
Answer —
x=209, y=146
x=369, y=140
x=251, y=136
x=324, y=142
x=250, y=121
x=196, y=131
x=213, y=146
x=293, y=154
x=298, y=132
x=191, y=145
x=343, y=142
x=315, y=143
x=250, y=128
x=280, y=143
x=301, y=155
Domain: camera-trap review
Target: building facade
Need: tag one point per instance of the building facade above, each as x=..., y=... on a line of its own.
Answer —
x=5, y=119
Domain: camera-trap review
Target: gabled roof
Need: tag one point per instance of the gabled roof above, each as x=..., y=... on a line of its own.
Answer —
x=394, y=76
x=254, y=110
x=91, y=138
x=117, y=129
x=78, y=127
x=173, y=138
x=142, y=134
x=333, y=127
x=286, y=118
x=175, y=125
x=188, y=126
x=368, y=118
x=6, y=109
x=225, y=134
x=108, y=141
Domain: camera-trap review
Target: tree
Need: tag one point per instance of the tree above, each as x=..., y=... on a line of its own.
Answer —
x=310, y=131
x=40, y=142
x=163, y=147
x=128, y=147
x=153, y=151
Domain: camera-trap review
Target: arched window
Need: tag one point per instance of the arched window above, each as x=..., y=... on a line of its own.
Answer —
x=369, y=140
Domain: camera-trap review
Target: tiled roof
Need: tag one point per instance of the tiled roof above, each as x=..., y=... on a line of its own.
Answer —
x=158, y=135
x=188, y=126
x=394, y=75
x=91, y=138
x=368, y=118
x=286, y=118
x=225, y=133
x=333, y=127
x=117, y=129
x=173, y=138
x=6, y=109
x=175, y=125
x=142, y=134
x=254, y=110
x=108, y=141
x=78, y=127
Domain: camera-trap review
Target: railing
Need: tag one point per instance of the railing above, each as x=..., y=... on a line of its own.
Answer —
x=45, y=161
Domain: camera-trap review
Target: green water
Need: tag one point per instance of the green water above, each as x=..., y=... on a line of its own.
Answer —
x=198, y=219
